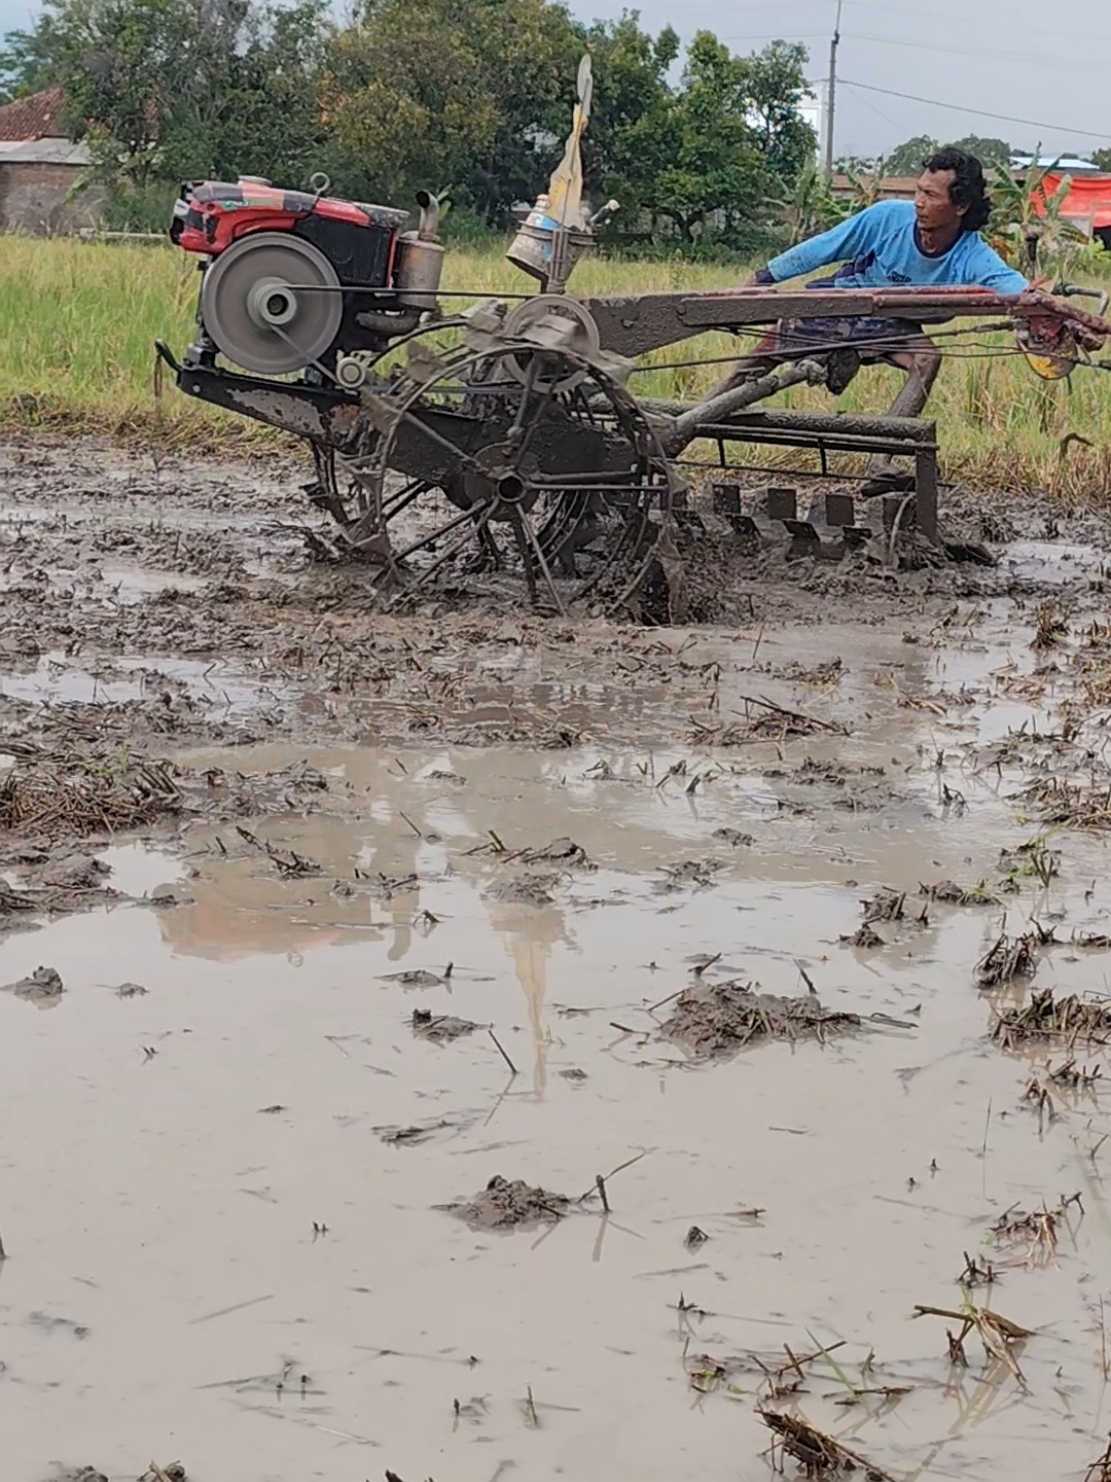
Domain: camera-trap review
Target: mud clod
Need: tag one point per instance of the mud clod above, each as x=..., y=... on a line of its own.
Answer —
x=719, y=1018
x=865, y=937
x=439, y=1027
x=418, y=977
x=503, y=1205
x=44, y=986
x=948, y=893
x=563, y=852
x=690, y=873
x=885, y=905
x=526, y=889
x=13, y=902
x=733, y=837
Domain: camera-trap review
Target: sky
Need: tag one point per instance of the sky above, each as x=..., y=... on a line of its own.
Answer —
x=909, y=67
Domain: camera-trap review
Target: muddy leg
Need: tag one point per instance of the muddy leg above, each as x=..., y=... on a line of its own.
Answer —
x=749, y=367
x=920, y=362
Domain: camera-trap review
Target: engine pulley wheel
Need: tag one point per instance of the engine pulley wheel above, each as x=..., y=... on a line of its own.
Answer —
x=261, y=303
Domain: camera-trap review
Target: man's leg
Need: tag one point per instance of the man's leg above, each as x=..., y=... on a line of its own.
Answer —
x=920, y=360
x=750, y=367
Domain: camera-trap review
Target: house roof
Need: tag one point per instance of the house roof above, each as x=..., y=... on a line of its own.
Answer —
x=38, y=116
x=43, y=152
x=1051, y=161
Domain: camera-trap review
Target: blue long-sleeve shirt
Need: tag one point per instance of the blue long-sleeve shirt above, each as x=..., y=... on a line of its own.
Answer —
x=879, y=248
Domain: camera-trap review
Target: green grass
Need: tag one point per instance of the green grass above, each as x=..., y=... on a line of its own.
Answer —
x=78, y=321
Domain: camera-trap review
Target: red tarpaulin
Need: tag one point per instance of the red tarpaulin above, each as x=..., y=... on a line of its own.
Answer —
x=1088, y=203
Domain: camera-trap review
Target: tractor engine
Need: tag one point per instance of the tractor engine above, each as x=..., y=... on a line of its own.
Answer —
x=293, y=280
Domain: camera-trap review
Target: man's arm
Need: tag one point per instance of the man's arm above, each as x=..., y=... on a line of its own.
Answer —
x=987, y=269
x=849, y=238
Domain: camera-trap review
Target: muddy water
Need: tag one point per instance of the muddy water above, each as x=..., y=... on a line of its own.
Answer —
x=170, y=1159
x=215, y=1250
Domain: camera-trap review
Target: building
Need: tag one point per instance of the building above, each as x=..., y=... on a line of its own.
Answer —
x=40, y=164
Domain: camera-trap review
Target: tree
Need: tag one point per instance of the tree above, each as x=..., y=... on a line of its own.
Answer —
x=701, y=156
x=775, y=79
x=1101, y=158
x=907, y=158
x=180, y=88
x=631, y=93
x=475, y=94
x=988, y=151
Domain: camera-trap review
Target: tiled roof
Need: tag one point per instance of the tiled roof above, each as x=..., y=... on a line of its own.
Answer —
x=38, y=116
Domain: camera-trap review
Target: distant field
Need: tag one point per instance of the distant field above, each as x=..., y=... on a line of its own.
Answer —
x=78, y=321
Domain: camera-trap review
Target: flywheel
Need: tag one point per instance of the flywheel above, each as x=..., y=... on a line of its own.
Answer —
x=272, y=303
x=513, y=464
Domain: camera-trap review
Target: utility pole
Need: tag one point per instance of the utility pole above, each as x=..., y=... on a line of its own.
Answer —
x=831, y=91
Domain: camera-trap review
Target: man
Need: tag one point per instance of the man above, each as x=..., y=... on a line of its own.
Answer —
x=933, y=241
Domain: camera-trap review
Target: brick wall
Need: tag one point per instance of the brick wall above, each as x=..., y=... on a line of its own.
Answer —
x=33, y=199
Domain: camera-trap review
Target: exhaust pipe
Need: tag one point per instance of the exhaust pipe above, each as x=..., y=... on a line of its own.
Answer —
x=420, y=258
x=429, y=216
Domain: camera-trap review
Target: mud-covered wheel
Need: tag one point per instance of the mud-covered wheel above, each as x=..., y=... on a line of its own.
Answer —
x=529, y=465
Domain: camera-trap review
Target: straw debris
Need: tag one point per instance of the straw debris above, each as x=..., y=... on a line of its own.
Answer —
x=997, y=1333
x=71, y=796
x=1036, y=1229
x=1100, y=1469
x=818, y=1454
x=1006, y=959
x=1046, y=1018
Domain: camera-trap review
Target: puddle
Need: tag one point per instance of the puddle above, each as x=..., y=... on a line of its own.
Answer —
x=1048, y=561
x=117, y=582
x=54, y=678
x=206, y=1180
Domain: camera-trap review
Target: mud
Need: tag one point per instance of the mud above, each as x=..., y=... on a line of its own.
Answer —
x=306, y=999
x=714, y=1019
x=503, y=1205
x=212, y=624
x=439, y=1027
x=43, y=987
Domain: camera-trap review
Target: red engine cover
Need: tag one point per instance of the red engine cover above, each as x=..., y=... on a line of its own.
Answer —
x=211, y=215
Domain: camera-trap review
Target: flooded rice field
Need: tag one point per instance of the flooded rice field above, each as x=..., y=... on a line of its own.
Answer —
x=469, y=1046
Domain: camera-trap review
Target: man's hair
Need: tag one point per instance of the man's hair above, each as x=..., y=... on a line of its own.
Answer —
x=967, y=187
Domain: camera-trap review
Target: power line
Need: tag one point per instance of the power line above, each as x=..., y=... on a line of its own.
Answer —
x=1032, y=123
x=981, y=54
x=891, y=8
x=894, y=123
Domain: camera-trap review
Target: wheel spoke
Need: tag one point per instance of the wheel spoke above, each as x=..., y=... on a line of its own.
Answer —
x=468, y=514
x=541, y=561
x=481, y=520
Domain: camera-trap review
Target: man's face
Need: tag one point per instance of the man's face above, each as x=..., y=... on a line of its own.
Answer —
x=933, y=206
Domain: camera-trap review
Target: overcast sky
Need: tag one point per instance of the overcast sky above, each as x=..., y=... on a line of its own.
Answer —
x=997, y=56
